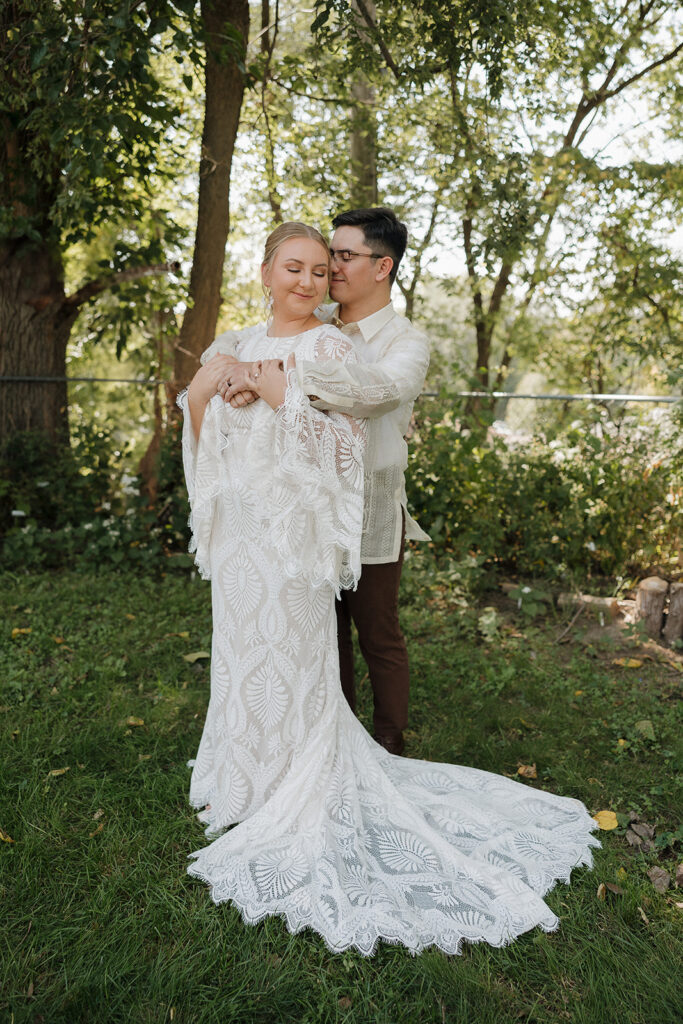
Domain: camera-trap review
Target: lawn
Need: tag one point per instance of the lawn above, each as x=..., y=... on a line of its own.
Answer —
x=100, y=711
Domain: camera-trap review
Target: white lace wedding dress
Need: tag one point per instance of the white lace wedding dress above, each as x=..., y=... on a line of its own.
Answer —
x=334, y=833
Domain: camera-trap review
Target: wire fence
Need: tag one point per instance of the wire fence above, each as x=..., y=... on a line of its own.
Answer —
x=155, y=382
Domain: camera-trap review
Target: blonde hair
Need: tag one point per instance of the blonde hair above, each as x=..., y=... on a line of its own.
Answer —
x=283, y=233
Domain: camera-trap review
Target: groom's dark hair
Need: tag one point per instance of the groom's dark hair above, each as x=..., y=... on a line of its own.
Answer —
x=382, y=230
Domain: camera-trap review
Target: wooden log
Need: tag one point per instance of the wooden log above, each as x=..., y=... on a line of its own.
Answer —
x=650, y=601
x=673, y=630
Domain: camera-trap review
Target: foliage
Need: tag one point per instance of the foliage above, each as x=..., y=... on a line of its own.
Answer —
x=503, y=138
x=592, y=501
x=96, y=808
x=79, y=505
x=86, y=109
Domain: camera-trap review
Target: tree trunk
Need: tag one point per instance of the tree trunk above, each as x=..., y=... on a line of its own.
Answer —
x=673, y=630
x=224, y=89
x=363, y=134
x=363, y=142
x=35, y=325
x=650, y=600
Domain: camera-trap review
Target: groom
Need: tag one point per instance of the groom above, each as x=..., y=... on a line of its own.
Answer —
x=366, y=249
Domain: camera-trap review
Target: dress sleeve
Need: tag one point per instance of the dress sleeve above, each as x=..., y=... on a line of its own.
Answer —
x=223, y=345
x=204, y=475
x=369, y=389
x=318, y=482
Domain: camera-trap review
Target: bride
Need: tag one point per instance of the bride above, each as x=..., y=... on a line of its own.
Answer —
x=330, y=830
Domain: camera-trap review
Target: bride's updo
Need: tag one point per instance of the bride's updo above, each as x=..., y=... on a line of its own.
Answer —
x=283, y=233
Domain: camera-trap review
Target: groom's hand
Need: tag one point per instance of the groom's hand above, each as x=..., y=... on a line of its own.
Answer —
x=238, y=391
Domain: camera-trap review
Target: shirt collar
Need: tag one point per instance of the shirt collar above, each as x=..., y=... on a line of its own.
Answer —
x=369, y=325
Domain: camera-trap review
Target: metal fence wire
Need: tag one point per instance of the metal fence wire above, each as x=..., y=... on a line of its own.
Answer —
x=154, y=382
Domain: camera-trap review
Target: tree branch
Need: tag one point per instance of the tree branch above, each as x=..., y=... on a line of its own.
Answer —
x=92, y=288
x=644, y=71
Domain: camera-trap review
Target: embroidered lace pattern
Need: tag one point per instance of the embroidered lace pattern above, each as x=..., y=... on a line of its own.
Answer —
x=330, y=830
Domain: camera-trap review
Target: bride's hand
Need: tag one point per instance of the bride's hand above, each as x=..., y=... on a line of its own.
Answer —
x=269, y=381
x=236, y=387
x=206, y=381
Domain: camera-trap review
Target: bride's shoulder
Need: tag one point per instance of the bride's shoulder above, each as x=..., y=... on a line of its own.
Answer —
x=232, y=343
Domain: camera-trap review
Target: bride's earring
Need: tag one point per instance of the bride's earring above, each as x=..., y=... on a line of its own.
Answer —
x=268, y=300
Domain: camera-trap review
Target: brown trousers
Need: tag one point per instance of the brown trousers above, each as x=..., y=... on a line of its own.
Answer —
x=373, y=608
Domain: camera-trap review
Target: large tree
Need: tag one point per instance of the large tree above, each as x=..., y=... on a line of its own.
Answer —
x=226, y=29
x=85, y=105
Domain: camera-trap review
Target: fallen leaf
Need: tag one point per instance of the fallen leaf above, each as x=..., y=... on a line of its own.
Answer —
x=132, y=720
x=344, y=1003
x=642, y=829
x=679, y=905
x=622, y=742
x=578, y=693
x=144, y=757
x=58, y=639
x=607, y=820
x=17, y=631
x=59, y=771
x=98, y=814
x=601, y=891
x=527, y=771
x=184, y=634
x=171, y=1013
x=195, y=656
x=638, y=842
x=622, y=874
x=616, y=889
x=679, y=874
x=643, y=915
x=29, y=990
x=54, y=690
x=129, y=616
x=5, y=837
x=660, y=878
x=645, y=728
x=98, y=829
x=627, y=662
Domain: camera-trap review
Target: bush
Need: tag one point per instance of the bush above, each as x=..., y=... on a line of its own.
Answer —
x=61, y=506
x=589, y=502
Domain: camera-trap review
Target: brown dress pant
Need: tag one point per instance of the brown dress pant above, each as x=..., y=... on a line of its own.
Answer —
x=373, y=608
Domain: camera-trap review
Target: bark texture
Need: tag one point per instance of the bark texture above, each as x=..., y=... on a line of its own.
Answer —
x=35, y=324
x=224, y=90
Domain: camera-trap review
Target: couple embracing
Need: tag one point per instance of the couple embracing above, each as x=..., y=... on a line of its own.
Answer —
x=294, y=456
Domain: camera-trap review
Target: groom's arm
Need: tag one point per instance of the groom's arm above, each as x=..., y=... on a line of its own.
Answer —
x=367, y=390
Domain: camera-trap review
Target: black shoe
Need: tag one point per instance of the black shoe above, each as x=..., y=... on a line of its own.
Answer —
x=394, y=744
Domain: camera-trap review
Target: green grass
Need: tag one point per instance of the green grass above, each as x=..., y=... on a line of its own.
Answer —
x=101, y=923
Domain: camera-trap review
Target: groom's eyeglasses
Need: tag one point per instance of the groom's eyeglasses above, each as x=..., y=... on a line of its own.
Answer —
x=346, y=255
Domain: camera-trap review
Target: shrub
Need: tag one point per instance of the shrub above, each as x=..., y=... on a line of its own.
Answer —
x=580, y=505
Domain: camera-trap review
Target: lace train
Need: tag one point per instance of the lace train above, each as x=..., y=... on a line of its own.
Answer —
x=370, y=846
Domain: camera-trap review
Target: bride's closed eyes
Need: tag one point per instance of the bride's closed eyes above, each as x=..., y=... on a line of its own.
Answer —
x=318, y=271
